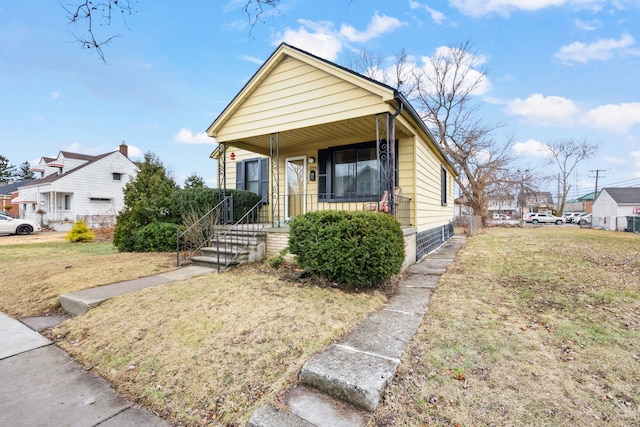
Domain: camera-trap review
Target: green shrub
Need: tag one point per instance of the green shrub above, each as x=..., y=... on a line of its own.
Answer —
x=201, y=200
x=359, y=248
x=154, y=237
x=80, y=232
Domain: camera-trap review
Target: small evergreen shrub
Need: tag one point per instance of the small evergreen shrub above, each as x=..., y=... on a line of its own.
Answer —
x=358, y=248
x=80, y=232
x=155, y=237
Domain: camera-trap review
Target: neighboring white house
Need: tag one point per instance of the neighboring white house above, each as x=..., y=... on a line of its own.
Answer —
x=613, y=205
x=73, y=186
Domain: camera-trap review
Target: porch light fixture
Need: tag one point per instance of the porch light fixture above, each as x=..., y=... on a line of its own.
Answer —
x=312, y=159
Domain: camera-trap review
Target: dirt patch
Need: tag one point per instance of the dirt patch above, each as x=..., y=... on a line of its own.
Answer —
x=42, y=237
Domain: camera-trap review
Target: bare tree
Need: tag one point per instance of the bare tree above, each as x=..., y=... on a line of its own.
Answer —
x=566, y=154
x=443, y=90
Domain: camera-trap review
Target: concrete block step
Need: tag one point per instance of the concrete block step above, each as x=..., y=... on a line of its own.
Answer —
x=322, y=410
x=212, y=262
x=268, y=416
x=354, y=376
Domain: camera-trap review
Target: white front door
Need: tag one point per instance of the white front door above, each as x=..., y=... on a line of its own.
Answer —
x=295, y=186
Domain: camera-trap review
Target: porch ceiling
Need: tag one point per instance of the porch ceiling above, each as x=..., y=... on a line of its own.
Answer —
x=360, y=129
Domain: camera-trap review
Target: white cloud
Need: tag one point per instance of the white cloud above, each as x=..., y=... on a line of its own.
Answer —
x=437, y=16
x=134, y=152
x=54, y=95
x=185, y=136
x=591, y=25
x=618, y=118
x=600, y=50
x=467, y=68
x=531, y=147
x=322, y=39
x=379, y=24
x=252, y=59
x=544, y=111
x=478, y=8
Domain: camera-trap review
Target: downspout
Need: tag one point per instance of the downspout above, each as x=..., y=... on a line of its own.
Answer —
x=392, y=154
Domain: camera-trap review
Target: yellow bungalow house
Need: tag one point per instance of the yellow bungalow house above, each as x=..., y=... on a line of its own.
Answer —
x=307, y=134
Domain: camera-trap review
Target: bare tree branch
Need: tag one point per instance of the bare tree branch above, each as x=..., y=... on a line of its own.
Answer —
x=94, y=15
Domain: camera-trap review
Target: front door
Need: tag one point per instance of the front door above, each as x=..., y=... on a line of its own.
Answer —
x=295, y=187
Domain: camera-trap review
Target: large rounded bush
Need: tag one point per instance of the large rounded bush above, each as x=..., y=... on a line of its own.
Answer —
x=359, y=248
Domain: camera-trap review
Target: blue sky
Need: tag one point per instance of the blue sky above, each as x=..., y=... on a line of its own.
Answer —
x=557, y=69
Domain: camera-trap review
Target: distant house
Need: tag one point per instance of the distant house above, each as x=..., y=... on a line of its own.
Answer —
x=538, y=202
x=613, y=205
x=73, y=186
x=503, y=204
x=581, y=204
x=9, y=192
x=307, y=134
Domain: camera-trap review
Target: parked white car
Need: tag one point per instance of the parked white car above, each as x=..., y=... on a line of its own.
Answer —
x=583, y=219
x=10, y=225
x=545, y=218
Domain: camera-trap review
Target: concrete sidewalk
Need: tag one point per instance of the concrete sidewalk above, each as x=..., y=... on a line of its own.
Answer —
x=43, y=386
x=341, y=385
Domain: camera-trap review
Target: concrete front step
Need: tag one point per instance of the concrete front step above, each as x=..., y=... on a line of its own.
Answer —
x=212, y=261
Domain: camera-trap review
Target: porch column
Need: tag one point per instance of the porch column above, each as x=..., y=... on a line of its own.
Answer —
x=385, y=149
x=222, y=170
x=274, y=158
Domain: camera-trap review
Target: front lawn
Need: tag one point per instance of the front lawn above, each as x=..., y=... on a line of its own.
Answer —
x=530, y=327
x=35, y=274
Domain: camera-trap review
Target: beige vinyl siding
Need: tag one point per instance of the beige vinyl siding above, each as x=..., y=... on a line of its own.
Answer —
x=407, y=171
x=294, y=95
x=429, y=210
x=241, y=155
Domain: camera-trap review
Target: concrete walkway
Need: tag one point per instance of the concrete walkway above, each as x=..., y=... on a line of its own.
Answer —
x=43, y=386
x=342, y=384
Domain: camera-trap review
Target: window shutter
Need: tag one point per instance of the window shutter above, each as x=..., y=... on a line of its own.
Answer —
x=322, y=174
x=240, y=176
x=264, y=177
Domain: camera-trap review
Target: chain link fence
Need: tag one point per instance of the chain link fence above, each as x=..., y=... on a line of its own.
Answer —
x=470, y=224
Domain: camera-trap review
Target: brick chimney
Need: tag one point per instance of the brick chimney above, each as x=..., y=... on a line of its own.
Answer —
x=124, y=149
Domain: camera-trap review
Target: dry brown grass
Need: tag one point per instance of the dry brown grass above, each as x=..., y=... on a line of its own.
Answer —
x=530, y=327
x=213, y=349
x=38, y=268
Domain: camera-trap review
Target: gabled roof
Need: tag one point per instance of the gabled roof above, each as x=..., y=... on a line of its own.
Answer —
x=69, y=155
x=282, y=51
x=387, y=94
x=13, y=187
x=626, y=195
x=54, y=177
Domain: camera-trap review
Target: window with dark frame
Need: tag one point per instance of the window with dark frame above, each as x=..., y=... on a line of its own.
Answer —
x=253, y=175
x=350, y=173
x=443, y=186
x=117, y=176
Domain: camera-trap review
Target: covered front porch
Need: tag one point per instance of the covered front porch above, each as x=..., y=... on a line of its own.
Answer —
x=345, y=165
